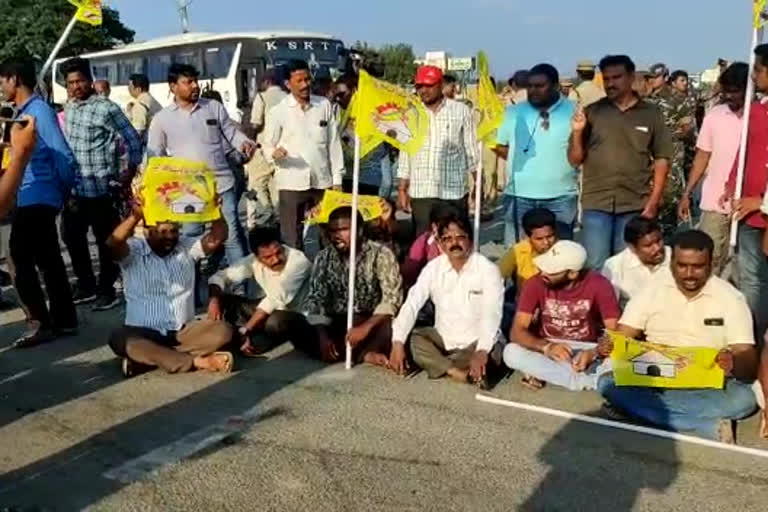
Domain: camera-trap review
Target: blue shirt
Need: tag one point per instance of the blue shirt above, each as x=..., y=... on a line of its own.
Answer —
x=52, y=170
x=538, y=166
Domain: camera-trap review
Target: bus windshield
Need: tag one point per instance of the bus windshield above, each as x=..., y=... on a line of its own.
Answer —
x=319, y=53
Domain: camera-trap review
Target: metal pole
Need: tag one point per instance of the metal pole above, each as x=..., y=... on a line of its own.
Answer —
x=353, y=251
x=478, y=194
x=55, y=51
x=184, y=15
x=744, y=133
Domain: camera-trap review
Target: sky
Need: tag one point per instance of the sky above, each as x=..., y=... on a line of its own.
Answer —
x=685, y=34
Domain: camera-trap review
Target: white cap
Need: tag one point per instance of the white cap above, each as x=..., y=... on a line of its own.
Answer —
x=564, y=255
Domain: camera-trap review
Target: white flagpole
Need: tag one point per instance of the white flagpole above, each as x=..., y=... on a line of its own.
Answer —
x=744, y=132
x=56, y=49
x=478, y=194
x=353, y=250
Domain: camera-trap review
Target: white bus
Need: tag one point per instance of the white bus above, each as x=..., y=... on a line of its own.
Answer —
x=232, y=63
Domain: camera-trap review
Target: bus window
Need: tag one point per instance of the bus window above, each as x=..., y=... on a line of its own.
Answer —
x=104, y=70
x=127, y=67
x=157, y=70
x=217, y=61
x=189, y=56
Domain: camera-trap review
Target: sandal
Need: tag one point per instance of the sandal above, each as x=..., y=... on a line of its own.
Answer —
x=227, y=368
x=33, y=337
x=532, y=383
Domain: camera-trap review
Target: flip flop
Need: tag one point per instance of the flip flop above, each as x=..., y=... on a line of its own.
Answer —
x=532, y=383
x=34, y=338
x=228, y=365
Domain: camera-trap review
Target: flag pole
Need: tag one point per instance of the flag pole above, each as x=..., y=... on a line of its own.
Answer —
x=353, y=251
x=478, y=194
x=744, y=133
x=56, y=50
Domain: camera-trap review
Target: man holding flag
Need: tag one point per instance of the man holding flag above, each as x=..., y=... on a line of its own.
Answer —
x=438, y=171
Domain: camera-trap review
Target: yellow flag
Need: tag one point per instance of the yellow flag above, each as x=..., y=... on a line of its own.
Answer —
x=387, y=112
x=178, y=190
x=489, y=105
x=347, y=130
x=637, y=363
x=758, y=6
x=368, y=206
x=88, y=11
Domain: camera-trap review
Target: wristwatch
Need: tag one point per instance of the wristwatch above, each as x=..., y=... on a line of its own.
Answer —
x=243, y=330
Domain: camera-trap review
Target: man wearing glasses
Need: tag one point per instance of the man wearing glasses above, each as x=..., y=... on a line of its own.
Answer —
x=540, y=175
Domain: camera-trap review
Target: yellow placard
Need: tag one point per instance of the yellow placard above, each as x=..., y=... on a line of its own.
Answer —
x=88, y=11
x=178, y=190
x=368, y=206
x=387, y=112
x=489, y=104
x=637, y=363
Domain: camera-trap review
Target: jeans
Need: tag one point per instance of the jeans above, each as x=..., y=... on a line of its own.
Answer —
x=602, y=235
x=753, y=275
x=565, y=209
x=562, y=374
x=234, y=247
x=682, y=410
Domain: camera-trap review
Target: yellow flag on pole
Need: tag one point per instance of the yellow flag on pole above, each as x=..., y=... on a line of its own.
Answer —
x=758, y=6
x=489, y=105
x=88, y=11
x=387, y=112
x=347, y=130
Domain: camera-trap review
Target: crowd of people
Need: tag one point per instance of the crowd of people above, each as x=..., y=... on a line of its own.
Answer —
x=598, y=209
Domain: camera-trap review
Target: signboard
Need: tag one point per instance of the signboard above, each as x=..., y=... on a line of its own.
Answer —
x=460, y=64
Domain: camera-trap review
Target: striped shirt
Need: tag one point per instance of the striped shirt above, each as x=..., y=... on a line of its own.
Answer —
x=441, y=167
x=159, y=292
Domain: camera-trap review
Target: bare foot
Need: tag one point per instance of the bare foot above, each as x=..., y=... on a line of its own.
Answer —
x=458, y=375
x=764, y=425
x=216, y=362
x=376, y=359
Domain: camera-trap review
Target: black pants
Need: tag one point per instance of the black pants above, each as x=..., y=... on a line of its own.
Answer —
x=293, y=205
x=422, y=207
x=35, y=246
x=101, y=215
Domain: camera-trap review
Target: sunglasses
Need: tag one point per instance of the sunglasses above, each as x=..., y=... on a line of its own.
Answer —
x=544, y=126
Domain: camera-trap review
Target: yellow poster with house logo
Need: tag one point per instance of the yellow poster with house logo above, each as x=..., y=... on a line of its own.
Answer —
x=368, y=206
x=645, y=364
x=178, y=190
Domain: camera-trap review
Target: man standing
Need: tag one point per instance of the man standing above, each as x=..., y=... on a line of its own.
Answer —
x=262, y=202
x=539, y=174
x=439, y=171
x=282, y=274
x=95, y=128
x=586, y=91
x=102, y=88
x=302, y=139
x=631, y=270
x=378, y=295
x=752, y=262
x=159, y=275
x=689, y=307
x=201, y=130
x=40, y=193
x=680, y=117
x=467, y=292
x=143, y=106
x=450, y=86
x=558, y=320
x=616, y=139
x=716, y=150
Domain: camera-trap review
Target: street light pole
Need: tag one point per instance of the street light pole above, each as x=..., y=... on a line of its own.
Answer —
x=184, y=14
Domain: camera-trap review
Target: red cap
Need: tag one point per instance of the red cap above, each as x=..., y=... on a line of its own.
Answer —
x=428, y=75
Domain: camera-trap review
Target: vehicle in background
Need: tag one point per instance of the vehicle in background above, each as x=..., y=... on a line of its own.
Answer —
x=232, y=63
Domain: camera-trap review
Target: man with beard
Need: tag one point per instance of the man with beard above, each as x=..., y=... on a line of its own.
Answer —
x=440, y=169
x=302, y=139
x=159, y=278
x=539, y=174
x=378, y=295
x=616, y=139
x=689, y=307
x=645, y=255
x=716, y=150
x=558, y=321
x=467, y=291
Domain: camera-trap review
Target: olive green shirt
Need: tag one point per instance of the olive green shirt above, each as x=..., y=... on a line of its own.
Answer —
x=620, y=148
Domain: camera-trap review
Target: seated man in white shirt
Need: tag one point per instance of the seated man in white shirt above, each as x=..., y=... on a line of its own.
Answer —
x=159, y=281
x=282, y=274
x=468, y=294
x=690, y=307
x=645, y=255
x=559, y=317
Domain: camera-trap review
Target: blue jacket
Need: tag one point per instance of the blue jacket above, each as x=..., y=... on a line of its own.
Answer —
x=52, y=170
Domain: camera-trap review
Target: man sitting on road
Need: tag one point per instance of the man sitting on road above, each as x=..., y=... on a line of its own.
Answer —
x=282, y=274
x=690, y=307
x=426, y=247
x=558, y=321
x=467, y=291
x=645, y=255
x=378, y=294
x=540, y=226
x=159, y=280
